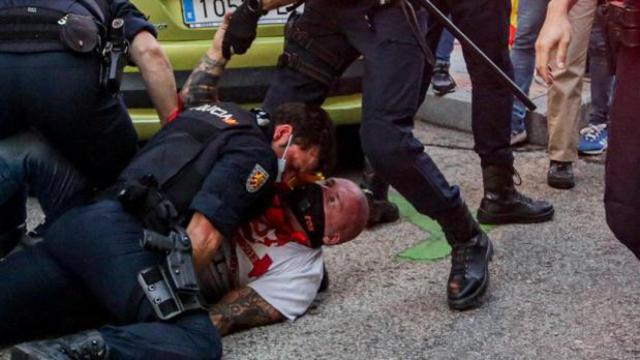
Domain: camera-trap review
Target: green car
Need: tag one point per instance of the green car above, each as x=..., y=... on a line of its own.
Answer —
x=185, y=30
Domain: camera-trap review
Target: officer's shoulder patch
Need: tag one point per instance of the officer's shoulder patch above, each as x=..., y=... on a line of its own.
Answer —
x=257, y=179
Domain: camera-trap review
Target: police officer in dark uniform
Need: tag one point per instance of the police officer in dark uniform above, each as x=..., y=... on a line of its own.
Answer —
x=59, y=64
x=209, y=170
x=622, y=178
x=486, y=23
x=331, y=34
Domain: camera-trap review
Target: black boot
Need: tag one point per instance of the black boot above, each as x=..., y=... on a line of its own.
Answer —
x=10, y=239
x=470, y=256
x=87, y=345
x=442, y=81
x=503, y=204
x=381, y=210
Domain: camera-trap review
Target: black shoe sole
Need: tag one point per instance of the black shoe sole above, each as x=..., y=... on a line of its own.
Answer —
x=559, y=184
x=488, y=218
x=444, y=90
x=474, y=300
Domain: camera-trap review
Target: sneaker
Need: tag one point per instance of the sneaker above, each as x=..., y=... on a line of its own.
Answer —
x=518, y=137
x=593, y=139
x=441, y=80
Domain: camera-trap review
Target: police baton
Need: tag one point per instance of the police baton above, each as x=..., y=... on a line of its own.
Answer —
x=476, y=51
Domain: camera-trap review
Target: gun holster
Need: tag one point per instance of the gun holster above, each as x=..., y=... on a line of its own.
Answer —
x=115, y=56
x=172, y=288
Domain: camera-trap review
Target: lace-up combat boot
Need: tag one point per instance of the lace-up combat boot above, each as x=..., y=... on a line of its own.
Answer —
x=88, y=345
x=471, y=252
x=503, y=204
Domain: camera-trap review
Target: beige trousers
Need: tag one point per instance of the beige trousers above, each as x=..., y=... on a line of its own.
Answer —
x=565, y=95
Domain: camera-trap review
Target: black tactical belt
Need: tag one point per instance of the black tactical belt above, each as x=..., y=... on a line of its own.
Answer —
x=332, y=64
x=34, y=29
x=30, y=29
x=295, y=62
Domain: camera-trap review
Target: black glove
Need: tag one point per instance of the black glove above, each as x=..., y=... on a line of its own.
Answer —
x=242, y=28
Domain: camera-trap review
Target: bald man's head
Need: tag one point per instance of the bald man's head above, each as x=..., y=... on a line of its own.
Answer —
x=345, y=210
x=331, y=211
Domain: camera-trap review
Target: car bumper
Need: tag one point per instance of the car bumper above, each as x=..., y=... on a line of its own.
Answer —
x=246, y=86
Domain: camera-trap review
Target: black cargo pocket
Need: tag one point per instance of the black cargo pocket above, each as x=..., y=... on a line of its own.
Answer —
x=79, y=33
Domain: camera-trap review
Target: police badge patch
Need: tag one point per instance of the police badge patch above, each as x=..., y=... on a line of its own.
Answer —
x=257, y=179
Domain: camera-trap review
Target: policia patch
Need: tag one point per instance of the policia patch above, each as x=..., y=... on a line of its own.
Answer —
x=257, y=179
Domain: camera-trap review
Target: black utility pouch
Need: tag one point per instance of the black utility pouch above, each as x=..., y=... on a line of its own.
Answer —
x=79, y=33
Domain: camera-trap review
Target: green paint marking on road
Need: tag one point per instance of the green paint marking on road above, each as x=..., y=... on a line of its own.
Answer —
x=435, y=247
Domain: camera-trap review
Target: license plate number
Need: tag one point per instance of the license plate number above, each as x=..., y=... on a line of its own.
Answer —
x=209, y=13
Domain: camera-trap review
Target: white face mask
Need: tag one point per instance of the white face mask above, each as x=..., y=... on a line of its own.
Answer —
x=282, y=162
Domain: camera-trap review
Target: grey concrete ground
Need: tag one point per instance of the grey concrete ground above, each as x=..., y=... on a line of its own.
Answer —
x=560, y=290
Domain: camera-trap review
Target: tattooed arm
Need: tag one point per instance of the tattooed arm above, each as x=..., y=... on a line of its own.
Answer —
x=242, y=309
x=202, y=85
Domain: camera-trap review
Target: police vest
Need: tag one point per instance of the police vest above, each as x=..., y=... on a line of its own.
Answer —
x=182, y=154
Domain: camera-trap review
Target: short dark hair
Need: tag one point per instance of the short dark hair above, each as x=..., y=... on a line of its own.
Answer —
x=312, y=126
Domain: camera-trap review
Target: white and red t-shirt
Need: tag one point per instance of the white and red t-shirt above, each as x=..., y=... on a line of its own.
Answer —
x=283, y=272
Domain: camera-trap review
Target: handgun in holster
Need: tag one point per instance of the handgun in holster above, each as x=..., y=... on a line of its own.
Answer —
x=115, y=57
x=172, y=287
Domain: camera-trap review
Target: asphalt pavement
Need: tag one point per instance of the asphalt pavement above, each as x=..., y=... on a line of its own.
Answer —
x=565, y=289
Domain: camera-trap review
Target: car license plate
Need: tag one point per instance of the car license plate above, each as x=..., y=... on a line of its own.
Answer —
x=209, y=13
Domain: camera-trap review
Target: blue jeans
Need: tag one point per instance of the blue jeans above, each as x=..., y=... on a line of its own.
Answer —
x=601, y=80
x=445, y=47
x=531, y=14
x=29, y=164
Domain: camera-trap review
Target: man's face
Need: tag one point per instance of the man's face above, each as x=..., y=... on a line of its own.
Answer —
x=345, y=210
x=298, y=160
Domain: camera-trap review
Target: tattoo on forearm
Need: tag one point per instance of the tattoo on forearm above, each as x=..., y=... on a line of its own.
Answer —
x=242, y=309
x=202, y=85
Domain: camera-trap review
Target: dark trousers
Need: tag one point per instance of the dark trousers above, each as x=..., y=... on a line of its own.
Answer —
x=394, y=86
x=622, y=181
x=486, y=23
x=85, y=275
x=58, y=94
